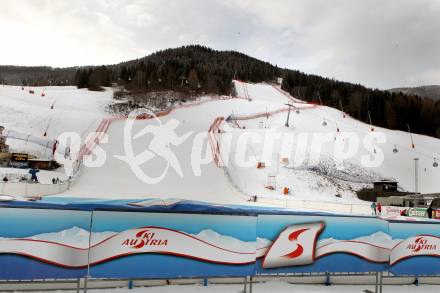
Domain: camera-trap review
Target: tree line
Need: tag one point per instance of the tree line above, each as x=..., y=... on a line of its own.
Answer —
x=36, y=75
x=191, y=69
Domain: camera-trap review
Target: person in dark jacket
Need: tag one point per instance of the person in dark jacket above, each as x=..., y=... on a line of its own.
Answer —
x=373, y=208
x=33, y=173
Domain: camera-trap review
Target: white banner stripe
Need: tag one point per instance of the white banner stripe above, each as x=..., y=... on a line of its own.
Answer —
x=364, y=250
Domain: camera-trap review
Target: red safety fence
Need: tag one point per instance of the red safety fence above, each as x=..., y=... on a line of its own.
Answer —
x=213, y=136
x=284, y=93
x=267, y=114
x=97, y=136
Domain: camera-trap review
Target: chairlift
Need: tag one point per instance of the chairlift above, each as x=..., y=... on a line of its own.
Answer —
x=395, y=150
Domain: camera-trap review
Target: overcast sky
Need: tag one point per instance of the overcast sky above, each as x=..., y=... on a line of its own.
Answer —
x=378, y=43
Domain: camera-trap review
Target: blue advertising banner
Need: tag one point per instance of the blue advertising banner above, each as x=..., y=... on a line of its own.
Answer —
x=43, y=243
x=317, y=244
x=417, y=248
x=164, y=245
x=187, y=239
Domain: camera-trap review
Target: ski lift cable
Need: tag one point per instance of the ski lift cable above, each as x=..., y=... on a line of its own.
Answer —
x=396, y=145
x=327, y=118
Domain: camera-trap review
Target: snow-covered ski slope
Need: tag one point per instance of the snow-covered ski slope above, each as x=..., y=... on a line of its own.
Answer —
x=234, y=183
x=61, y=109
x=323, y=179
x=51, y=111
x=116, y=179
x=320, y=180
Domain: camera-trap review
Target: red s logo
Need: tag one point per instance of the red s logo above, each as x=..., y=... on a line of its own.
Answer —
x=299, y=249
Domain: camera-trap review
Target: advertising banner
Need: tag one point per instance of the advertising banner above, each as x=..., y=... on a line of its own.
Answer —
x=164, y=245
x=418, y=212
x=417, y=248
x=43, y=243
x=37, y=243
x=317, y=244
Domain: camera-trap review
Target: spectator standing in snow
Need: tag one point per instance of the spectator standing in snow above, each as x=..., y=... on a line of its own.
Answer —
x=379, y=209
x=33, y=173
x=373, y=209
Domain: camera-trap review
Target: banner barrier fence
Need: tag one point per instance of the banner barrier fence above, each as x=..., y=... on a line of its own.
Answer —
x=180, y=239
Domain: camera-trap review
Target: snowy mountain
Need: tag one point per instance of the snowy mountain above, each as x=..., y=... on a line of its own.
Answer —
x=430, y=91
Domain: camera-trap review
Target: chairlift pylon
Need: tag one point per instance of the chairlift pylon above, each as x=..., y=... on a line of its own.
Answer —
x=371, y=123
x=342, y=109
x=410, y=135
